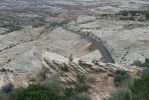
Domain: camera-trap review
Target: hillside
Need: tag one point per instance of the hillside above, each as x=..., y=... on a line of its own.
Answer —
x=95, y=39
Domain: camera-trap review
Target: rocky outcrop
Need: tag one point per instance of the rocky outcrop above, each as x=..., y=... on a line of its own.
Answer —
x=16, y=79
x=68, y=70
x=54, y=63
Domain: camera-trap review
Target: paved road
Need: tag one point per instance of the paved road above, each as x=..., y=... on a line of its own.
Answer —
x=97, y=41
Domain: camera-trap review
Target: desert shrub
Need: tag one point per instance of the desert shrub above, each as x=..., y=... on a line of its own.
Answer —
x=7, y=96
x=3, y=96
x=71, y=58
x=97, y=70
x=7, y=92
x=137, y=63
x=53, y=89
x=82, y=87
x=81, y=97
x=127, y=18
x=81, y=78
x=120, y=77
x=121, y=94
x=140, y=88
x=37, y=92
x=64, y=67
x=69, y=93
x=82, y=84
x=146, y=64
x=80, y=62
x=144, y=70
x=8, y=88
x=146, y=13
x=54, y=82
x=14, y=28
x=42, y=75
x=134, y=13
x=124, y=13
x=104, y=78
x=76, y=92
x=95, y=61
x=3, y=70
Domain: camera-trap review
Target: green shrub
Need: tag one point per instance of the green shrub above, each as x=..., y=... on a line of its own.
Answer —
x=42, y=75
x=120, y=77
x=137, y=63
x=54, y=82
x=7, y=96
x=95, y=61
x=3, y=96
x=120, y=94
x=81, y=78
x=97, y=70
x=37, y=92
x=124, y=13
x=71, y=58
x=80, y=62
x=104, y=78
x=64, y=67
x=8, y=88
x=3, y=70
x=53, y=89
x=146, y=64
x=69, y=93
x=82, y=84
x=81, y=97
x=140, y=88
x=146, y=13
x=82, y=87
x=133, y=13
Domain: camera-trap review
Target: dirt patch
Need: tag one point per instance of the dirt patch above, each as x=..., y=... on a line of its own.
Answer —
x=84, y=47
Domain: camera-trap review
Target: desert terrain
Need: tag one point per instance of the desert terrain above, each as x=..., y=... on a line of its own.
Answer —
x=91, y=37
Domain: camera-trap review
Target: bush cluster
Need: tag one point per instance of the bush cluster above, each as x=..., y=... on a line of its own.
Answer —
x=52, y=89
x=120, y=77
x=138, y=63
x=139, y=90
x=133, y=13
x=82, y=83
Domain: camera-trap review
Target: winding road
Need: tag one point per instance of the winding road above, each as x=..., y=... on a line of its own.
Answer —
x=95, y=40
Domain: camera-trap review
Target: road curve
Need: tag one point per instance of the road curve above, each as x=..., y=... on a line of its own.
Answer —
x=95, y=40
